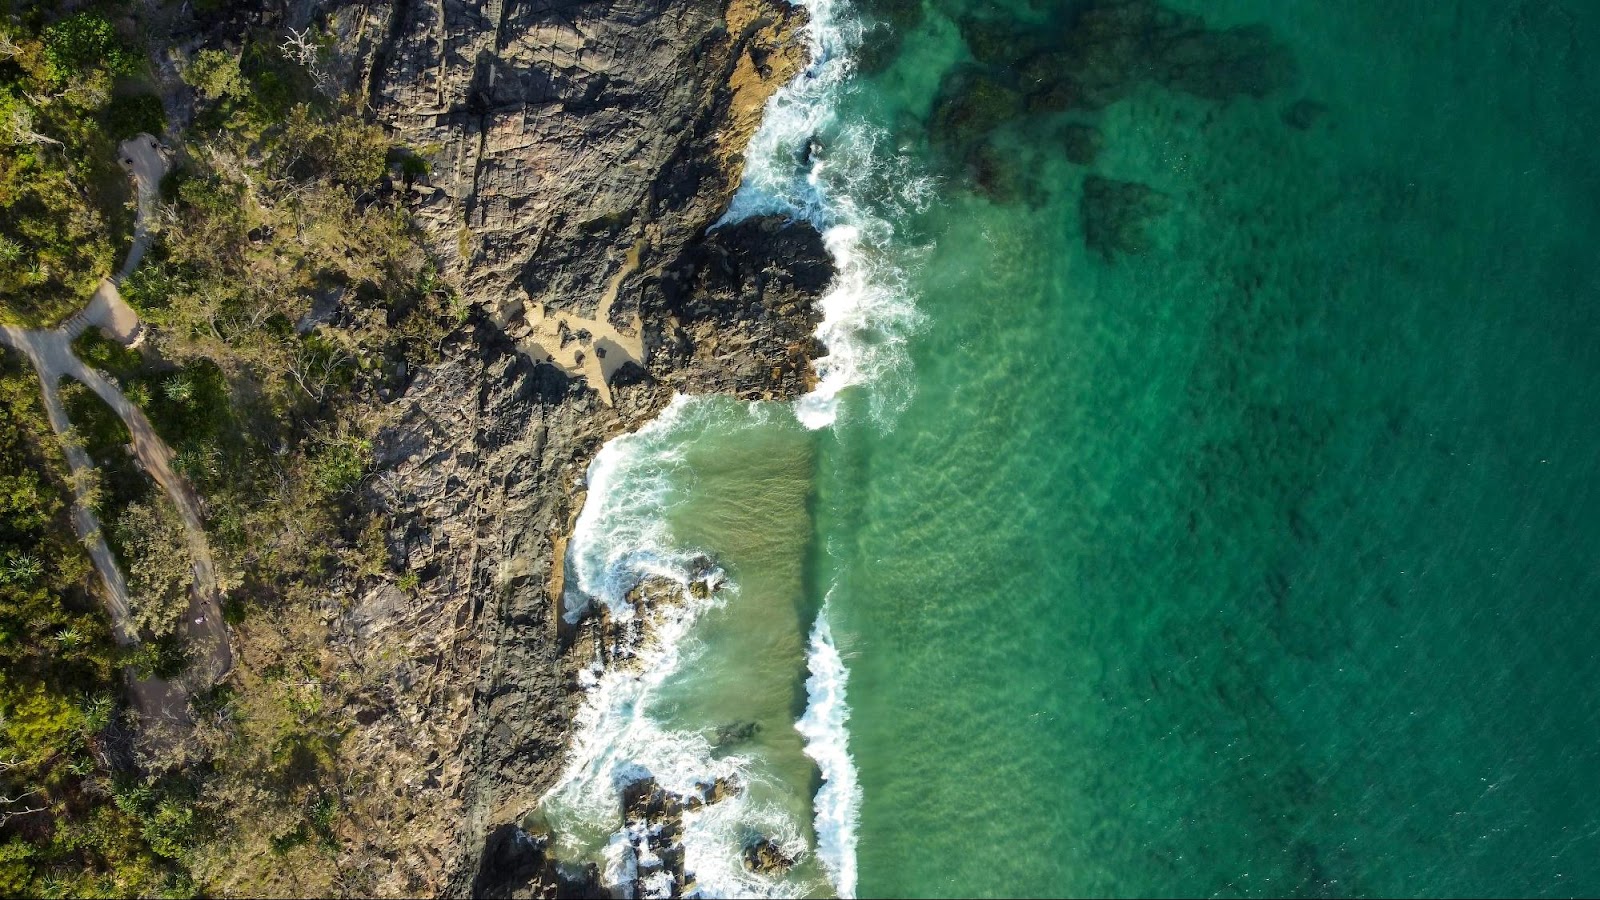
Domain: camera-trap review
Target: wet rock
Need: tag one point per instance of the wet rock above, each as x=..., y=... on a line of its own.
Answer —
x=1115, y=215
x=645, y=800
x=653, y=824
x=766, y=857
x=993, y=43
x=721, y=789
x=653, y=829
x=1082, y=144
x=514, y=857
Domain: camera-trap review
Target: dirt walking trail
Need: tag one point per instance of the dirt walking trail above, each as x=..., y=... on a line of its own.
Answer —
x=50, y=353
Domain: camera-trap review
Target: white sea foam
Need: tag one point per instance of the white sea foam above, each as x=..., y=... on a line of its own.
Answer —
x=838, y=801
x=805, y=163
x=622, y=537
x=713, y=843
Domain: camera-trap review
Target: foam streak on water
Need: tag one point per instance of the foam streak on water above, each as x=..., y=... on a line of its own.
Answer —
x=620, y=535
x=620, y=539
x=805, y=162
x=824, y=728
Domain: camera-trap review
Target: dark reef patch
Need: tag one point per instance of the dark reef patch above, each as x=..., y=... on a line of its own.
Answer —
x=1082, y=143
x=1115, y=213
x=1083, y=58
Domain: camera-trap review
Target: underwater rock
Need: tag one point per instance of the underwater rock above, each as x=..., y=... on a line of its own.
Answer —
x=1115, y=213
x=998, y=174
x=766, y=857
x=889, y=22
x=1092, y=55
x=735, y=733
x=1303, y=114
x=1217, y=65
x=1107, y=50
x=1082, y=143
x=991, y=42
x=971, y=104
x=1054, y=96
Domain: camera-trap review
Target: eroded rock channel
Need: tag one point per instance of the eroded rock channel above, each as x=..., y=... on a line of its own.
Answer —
x=579, y=155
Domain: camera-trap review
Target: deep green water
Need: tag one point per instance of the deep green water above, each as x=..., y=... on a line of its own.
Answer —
x=1263, y=561
x=1257, y=555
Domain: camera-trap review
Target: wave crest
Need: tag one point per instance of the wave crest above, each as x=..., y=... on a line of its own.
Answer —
x=805, y=163
x=824, y=727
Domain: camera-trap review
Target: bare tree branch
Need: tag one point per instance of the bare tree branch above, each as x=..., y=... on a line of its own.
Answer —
x=302, y=47
x=20, y=129
x=12, y=814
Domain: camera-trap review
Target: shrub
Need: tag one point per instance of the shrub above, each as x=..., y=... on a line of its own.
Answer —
x=131, y=114
x=83, y=42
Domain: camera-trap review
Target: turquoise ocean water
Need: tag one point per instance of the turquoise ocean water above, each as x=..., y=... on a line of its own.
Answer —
x=1201, y=493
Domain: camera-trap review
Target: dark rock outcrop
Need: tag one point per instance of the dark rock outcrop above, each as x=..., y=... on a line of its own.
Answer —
x=767, y=857
x=519, y=865
x=577, y=155
x=734, y=733
x=736, y=311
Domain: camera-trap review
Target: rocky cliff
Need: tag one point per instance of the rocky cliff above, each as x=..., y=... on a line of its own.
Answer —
x=577, y=154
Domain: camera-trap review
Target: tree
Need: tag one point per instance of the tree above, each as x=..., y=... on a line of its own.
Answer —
x=215, y=75
x=158, y=567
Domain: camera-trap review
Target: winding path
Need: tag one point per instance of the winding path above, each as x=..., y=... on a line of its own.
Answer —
x=50, y=353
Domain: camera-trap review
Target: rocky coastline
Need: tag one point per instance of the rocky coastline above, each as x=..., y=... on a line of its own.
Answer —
x=573, y=152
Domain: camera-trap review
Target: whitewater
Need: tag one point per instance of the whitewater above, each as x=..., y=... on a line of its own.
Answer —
x=806, y=164
x=622, y=538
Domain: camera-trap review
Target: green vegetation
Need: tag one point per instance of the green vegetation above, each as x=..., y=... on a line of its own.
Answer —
x=68, y=90
x=156, y=563
x=59, y=673
x=286, y=291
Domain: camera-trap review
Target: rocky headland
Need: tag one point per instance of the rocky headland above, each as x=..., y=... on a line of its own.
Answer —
x=577, y=156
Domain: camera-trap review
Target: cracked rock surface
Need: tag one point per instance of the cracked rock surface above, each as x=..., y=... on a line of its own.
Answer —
x=573, y=148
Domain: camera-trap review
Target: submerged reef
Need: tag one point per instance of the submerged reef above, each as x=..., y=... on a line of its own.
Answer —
x=1115, y=214
x=1026, y=77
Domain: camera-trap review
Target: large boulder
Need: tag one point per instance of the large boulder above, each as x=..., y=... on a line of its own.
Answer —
x=766, y=857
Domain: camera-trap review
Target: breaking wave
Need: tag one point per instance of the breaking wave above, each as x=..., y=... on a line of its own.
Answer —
x=823, y=726
x=806, y=162
x=620, y=541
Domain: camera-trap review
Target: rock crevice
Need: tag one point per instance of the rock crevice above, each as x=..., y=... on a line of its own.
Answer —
x=577, y=154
